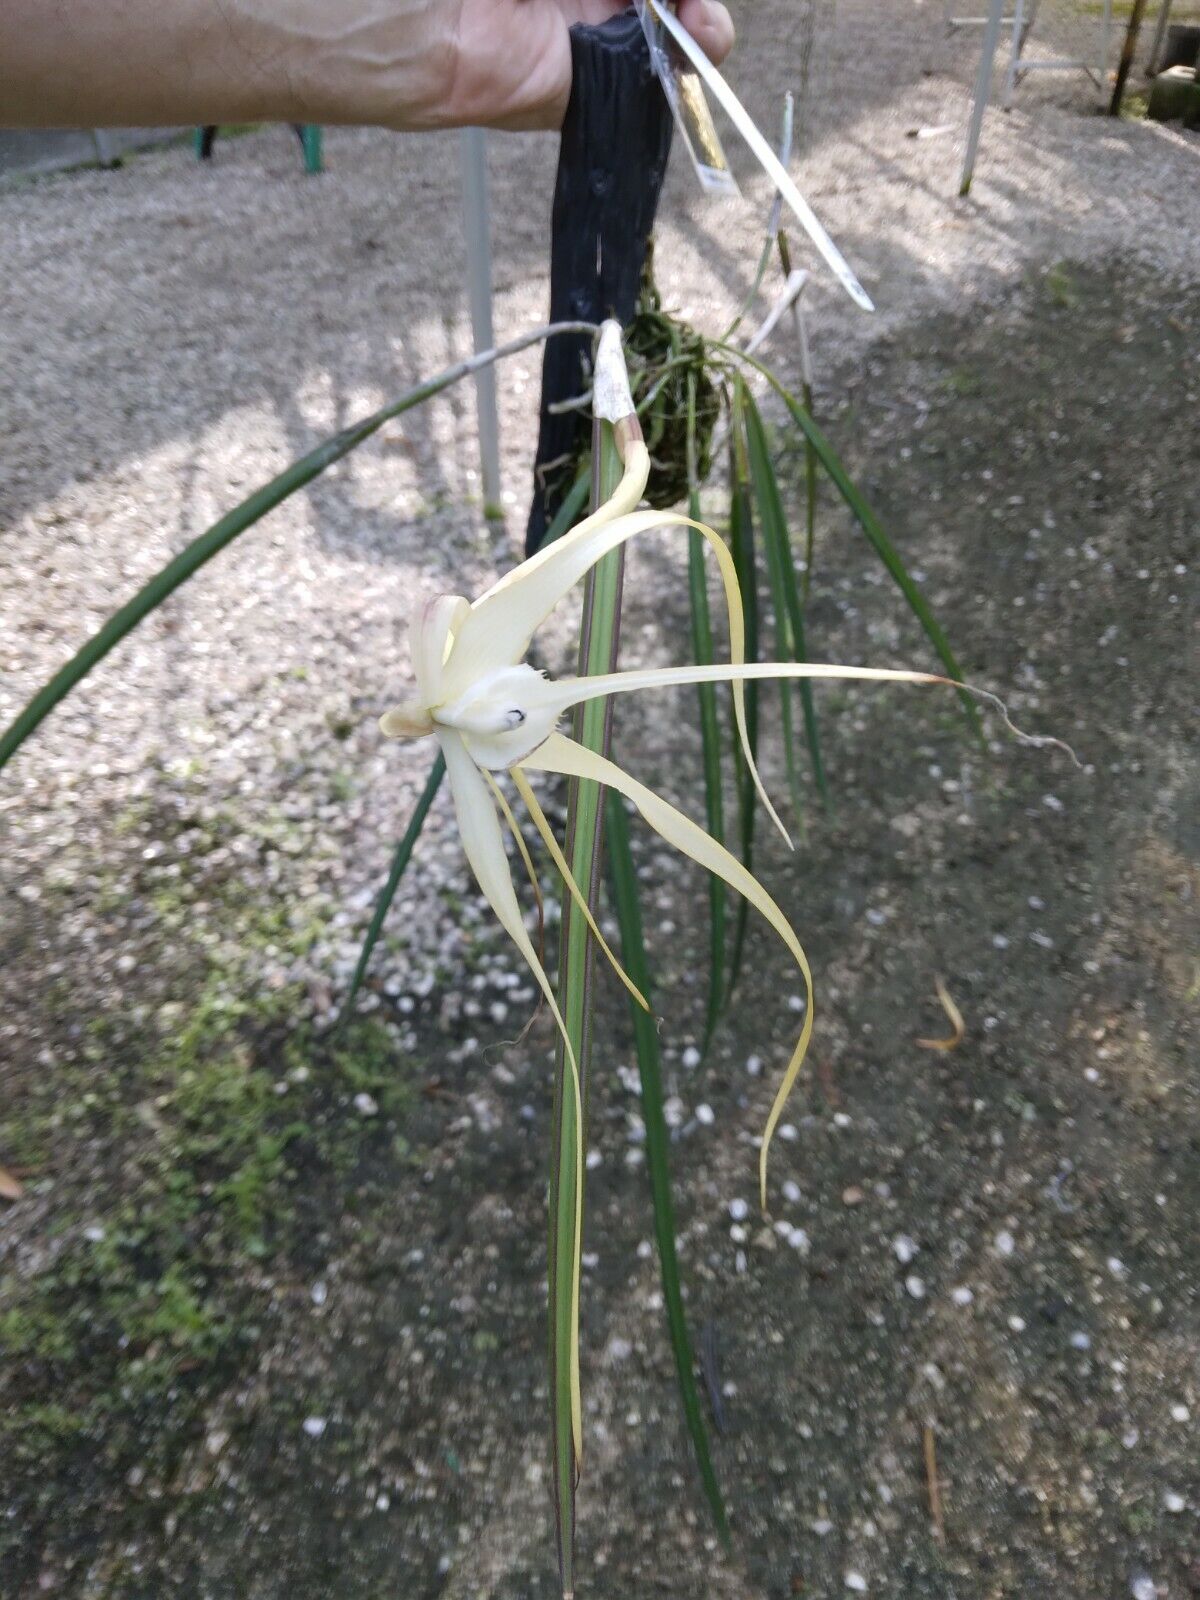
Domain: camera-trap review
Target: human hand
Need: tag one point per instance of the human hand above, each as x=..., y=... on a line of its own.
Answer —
x=511, y=62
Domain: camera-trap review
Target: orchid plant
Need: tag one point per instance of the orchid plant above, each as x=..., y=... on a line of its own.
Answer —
x=494, y=716
x=492, y=712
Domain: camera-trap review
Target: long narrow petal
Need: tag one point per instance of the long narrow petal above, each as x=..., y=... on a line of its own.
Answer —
x=531, y=874
x=484, y=845
x=542, y=825
x=584, y=553
x=483, y=842
x=499, y=627
x=560, y=694
x=518, y=838
x=563, y=755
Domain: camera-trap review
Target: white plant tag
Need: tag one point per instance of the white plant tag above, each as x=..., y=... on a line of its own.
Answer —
x=686, y=98
x=766, y=157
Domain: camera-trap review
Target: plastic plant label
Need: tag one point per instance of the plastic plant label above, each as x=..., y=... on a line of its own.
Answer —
x=685, y=95
x=766, y=157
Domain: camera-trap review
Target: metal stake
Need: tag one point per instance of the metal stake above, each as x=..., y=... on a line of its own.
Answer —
x=983, y=85
x=1160, y=34
x=1020, y=33
x=1128, y=52
x=479, y=293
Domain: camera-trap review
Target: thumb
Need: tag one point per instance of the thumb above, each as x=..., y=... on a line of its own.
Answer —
x=710, y=24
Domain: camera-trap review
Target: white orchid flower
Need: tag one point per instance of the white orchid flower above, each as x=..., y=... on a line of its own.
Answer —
x=492, y=712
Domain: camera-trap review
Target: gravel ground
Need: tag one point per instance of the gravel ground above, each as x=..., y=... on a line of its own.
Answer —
x=998, y=1242
x=130, y=424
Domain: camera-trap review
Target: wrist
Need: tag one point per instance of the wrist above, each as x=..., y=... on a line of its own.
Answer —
x=388, y=63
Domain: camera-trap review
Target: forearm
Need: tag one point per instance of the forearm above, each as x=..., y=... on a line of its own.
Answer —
x=97, y=63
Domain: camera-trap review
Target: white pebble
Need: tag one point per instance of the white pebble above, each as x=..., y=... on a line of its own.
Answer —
x=788, y=1132
x=366, y=1104
x=691, y=1058
x=904, y=1248
x=1116, y=1266
x=799, y=1240
x=962, y=1296
x=1143, y=1587
x=1017, y=1324
x=855, y=1582
x=1052, y=802
x=382, y=1502
x=821, y=1527
x=705, y=1115
x=754, y=1065
x=319, y=1293
x=314, y=1427
x=1173, y=1502
x=1180, y=1414
x=915, y=1286
x=1081, y=1340
x=739, y=1210
x=791, y=1192
x=1000, y=941
x=1004, y=1243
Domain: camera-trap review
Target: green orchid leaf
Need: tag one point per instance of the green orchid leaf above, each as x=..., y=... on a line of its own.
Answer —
x=387, y=894
x=741, y=541
x=633, y=950
x=769, y=505
x=710, y=734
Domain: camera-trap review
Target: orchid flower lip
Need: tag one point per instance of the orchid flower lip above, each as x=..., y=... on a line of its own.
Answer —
x=500, y=719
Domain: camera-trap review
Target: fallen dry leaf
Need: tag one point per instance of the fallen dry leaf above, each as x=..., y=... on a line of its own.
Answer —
x=956, y=1022
x=10, y=1188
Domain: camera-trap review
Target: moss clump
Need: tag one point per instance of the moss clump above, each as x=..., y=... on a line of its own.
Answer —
x=199, y=1151
x=668, y=361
